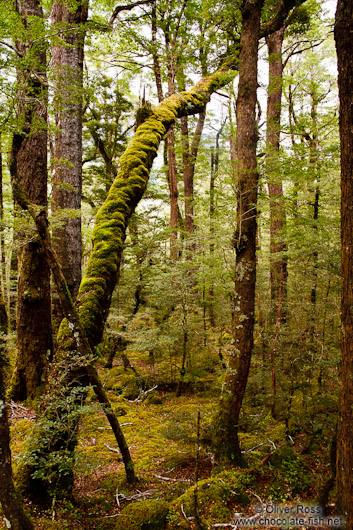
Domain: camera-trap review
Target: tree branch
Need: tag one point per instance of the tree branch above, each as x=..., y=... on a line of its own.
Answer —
x=127, y=7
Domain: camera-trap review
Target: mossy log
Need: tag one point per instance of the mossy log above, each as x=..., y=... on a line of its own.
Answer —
x=49, y=462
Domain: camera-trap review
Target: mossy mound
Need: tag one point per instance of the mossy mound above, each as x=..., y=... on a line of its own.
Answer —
x=216, y=498
x=153, y=399
x=283, y=455
x=144, y=515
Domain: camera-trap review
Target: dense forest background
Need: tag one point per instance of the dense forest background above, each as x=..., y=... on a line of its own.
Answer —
x=170, y=351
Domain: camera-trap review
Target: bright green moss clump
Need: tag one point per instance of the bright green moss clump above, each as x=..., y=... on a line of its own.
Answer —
x=216, y=497
x=144, y=515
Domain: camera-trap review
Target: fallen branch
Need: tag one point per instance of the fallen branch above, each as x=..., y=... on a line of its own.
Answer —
x=172, y=479
x=141, y=495
x=142, y=395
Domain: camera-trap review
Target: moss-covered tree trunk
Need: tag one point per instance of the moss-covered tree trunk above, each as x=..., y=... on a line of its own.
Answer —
x=94, y=298
x=11, y=504
x=226, y=443
x=344, y=46
x=29, y=164
x=9, y=499
x=67, y=58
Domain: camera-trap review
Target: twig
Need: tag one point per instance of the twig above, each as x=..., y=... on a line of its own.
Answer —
x=257, y=496
x=142, y=395
x=172, y=479
x=112, y=449
x=138, y=496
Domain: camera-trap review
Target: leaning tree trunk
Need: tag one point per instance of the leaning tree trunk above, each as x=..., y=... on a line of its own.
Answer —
x=226, y=443
x=94, y=298
x=29, y=163
x=344, y=45
x=67, y=175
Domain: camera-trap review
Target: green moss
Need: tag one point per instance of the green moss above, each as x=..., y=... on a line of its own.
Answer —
x=144, y=515
x=153, y=399
x=216, y=496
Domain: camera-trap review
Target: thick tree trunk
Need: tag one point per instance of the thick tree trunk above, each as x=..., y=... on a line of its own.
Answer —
x=29, y=164
x=102, y=272
x=226, y=442
x=344, y=46
x=67, y=177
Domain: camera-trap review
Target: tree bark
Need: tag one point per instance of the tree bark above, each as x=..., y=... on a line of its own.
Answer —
x=226, y=442
x=189, y=161
x=29, y=163
x=67, y=62
x=11, y=504
x=10, y=501
x=278, y=247
x=344, y=43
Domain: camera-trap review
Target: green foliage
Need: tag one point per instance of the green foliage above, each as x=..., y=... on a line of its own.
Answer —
x=291, y=478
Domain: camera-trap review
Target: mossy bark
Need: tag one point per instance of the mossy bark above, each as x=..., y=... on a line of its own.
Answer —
x=29, y=167
x=9, y=499
x=97, y=286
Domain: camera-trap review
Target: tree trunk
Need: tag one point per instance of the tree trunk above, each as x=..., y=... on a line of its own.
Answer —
x=102, y=272
x=344, y=46
x=213, y=178
x=278, y=247
x=226, y=442
x=173, y=190
x=29, y=164
x=67, y=176
x=10, y=502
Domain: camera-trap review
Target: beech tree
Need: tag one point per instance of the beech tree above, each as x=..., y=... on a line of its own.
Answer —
x=29, y=165
x=344, y=43
x=226, y=442
x=67, y=65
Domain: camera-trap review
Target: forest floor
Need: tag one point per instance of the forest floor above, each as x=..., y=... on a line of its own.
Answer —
x=283, y=469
